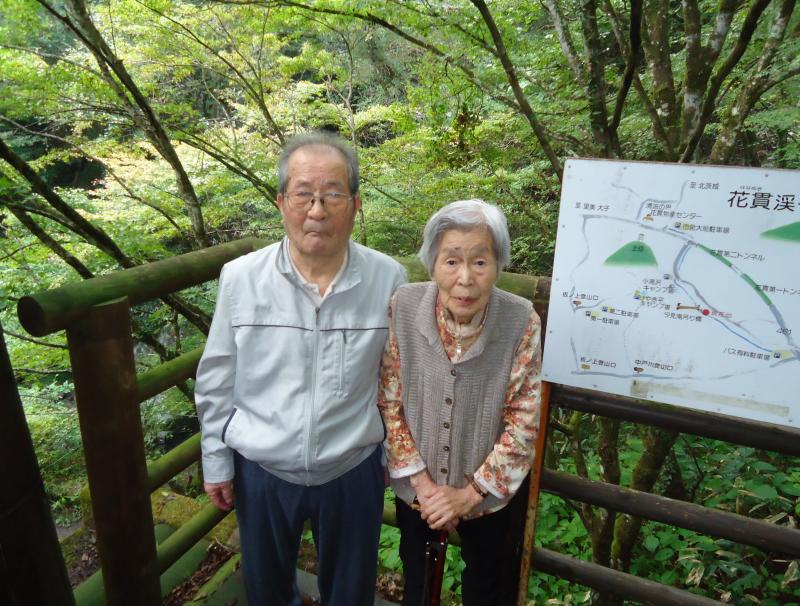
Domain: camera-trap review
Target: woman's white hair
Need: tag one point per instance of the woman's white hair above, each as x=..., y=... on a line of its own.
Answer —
x=466, y=215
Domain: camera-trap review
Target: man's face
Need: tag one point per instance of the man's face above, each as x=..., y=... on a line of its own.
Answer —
x=317, y=232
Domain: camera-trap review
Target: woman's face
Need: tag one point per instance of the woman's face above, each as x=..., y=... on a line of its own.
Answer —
x=465, y=271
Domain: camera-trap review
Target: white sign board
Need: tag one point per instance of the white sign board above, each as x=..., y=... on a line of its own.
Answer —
x=680, y=284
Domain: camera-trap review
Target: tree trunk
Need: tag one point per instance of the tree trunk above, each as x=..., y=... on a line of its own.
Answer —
x=700, y=59
x=659, y=133
x=657, y=446
x=596, y=81
x=655, y=42
x=715, y=85
x=734, y=119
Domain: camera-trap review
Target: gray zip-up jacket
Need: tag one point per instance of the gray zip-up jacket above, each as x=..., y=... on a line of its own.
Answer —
x=289, y=385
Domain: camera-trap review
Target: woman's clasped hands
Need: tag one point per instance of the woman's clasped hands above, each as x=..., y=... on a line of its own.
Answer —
x=442, y=507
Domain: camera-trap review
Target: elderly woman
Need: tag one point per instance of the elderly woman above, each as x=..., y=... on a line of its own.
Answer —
x=460, y=397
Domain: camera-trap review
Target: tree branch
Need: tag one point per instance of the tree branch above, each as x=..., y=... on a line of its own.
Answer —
x=57, y=58
x=110, y=171
x=34, y=340
x=65, y=371
x=250, y=89
x=608, y=449
x=630, y=67
x=93, y=234
x=94, y=42
x=656, y=40
x=50, y=242
x=233, y=164
x=586, y=511
x=511, y=75
x=565, y=41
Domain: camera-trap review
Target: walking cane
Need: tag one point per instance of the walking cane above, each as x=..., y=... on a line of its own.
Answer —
x=533, y=498
x=435, y=551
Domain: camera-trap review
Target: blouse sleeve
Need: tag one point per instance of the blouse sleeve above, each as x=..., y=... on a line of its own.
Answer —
x=510, y=460
x=402, y=456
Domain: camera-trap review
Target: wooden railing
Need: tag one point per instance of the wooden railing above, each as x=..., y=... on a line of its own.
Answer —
x=96, y=317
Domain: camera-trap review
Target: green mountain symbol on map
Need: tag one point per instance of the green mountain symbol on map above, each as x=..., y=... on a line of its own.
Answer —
x=633, y=253
x=789, y=232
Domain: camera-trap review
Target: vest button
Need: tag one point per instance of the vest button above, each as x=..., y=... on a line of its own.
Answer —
x=446, y=425
x=448, y=401
x=443, y=470
x=446, y=448
x=453, y=372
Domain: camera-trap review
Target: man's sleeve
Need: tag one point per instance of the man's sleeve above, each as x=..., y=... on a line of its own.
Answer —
x=213, y=392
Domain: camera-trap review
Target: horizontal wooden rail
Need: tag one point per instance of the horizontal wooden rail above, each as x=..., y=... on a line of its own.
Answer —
x=777, y=438
x=90, y=592
x=216, y=581
x=622, y=584
x=170, y=464
x=46, y=312
x=722, y=524
x=188, y=534
x=167, y=466
x=166, y=375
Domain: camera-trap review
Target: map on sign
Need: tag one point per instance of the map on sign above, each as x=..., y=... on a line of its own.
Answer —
x=680, y=284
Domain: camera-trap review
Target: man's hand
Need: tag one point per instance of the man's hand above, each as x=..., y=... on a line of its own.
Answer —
x=447, y=505
x=221, y=494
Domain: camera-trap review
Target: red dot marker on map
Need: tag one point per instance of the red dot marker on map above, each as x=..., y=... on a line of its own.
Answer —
x=706, y=312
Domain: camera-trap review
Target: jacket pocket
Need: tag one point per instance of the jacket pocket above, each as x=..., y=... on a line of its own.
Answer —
x=342, y=389
x=227, y=423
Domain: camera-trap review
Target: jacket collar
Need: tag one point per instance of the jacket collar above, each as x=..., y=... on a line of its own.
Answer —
x=351, y=276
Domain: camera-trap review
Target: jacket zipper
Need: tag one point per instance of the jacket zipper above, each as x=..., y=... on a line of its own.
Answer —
x=311, y=408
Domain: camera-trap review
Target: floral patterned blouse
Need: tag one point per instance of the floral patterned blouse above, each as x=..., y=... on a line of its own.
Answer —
x=510, y=460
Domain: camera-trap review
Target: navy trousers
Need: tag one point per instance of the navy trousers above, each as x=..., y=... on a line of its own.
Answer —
x=345, y=516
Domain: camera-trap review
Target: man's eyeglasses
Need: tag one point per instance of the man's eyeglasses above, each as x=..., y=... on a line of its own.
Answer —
x=302, y=201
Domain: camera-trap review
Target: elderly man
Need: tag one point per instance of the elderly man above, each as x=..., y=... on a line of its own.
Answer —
x=286, y=389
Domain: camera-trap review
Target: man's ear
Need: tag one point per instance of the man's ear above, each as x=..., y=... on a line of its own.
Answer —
x=279, y=202
x=357, y=202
